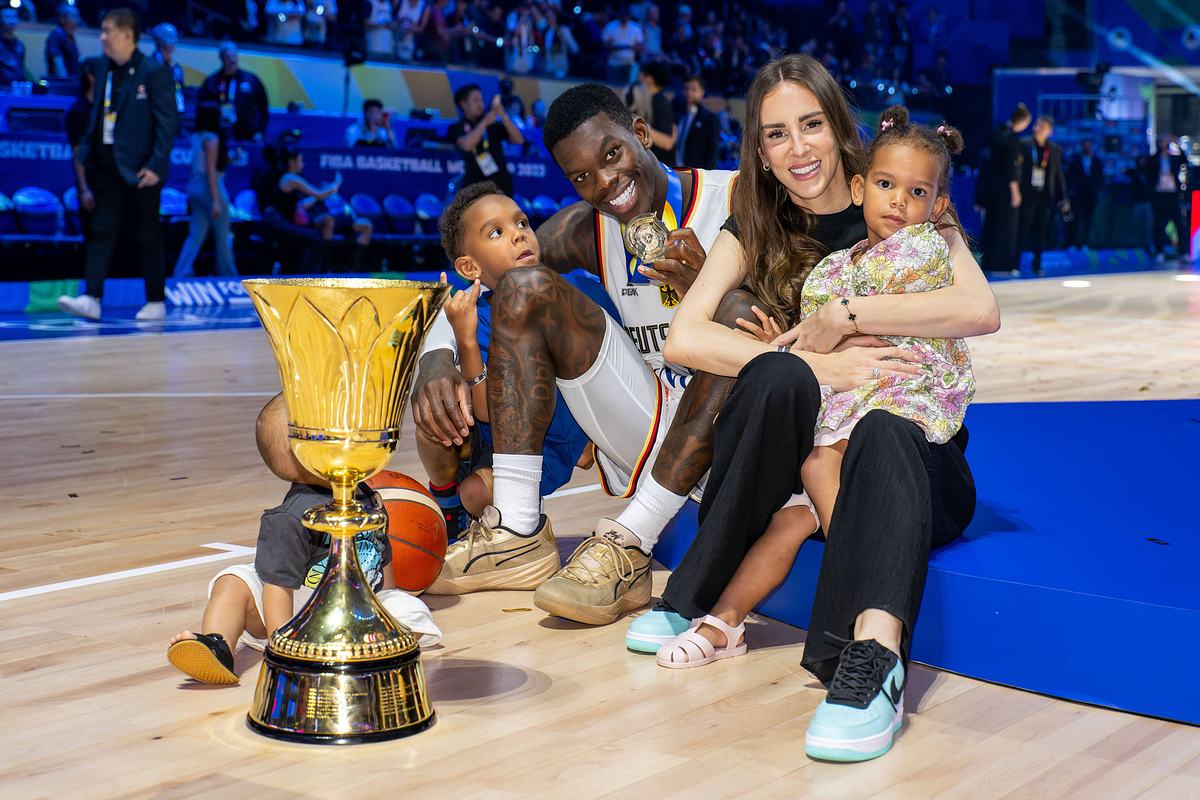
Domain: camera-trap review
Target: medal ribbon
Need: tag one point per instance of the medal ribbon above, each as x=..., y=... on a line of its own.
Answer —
x=671, y=217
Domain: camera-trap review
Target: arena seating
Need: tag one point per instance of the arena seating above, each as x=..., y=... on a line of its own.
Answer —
x=400, y=214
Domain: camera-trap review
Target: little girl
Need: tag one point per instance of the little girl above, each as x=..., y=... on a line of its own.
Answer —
x=904, y=194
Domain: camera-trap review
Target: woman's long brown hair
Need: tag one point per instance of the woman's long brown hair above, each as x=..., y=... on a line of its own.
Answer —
x=775, y=234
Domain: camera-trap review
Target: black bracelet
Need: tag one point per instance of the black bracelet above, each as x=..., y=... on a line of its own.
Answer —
x=851, y=314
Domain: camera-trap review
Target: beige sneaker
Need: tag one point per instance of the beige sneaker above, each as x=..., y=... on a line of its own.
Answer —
x=490, y=556
x=608, y=575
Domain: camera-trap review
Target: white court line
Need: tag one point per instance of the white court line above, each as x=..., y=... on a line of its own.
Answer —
x=576, y=490
x=228, y=551
x=123, y=395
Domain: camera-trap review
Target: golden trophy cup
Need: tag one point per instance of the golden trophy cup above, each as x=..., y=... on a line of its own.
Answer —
x=343, y=671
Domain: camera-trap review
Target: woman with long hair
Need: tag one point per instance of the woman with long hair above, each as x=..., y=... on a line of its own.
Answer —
x=207, y=196
x=899, y=494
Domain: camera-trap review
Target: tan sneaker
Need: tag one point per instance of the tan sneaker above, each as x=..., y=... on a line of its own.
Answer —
x=490, y=556
x=608, y=575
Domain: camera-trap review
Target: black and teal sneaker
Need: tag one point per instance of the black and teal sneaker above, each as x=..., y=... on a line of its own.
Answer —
x=864, y=709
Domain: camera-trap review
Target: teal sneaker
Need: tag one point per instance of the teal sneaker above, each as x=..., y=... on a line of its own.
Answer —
x=652, y=630
x=859, y=718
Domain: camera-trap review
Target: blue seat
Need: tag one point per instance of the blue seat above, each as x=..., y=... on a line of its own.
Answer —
x=173, y=204
x=399, y=213
x=337, y=206
x=429, y=207
x=8, y=220
x=366, y=206
x=245, y=203
x=39, y=211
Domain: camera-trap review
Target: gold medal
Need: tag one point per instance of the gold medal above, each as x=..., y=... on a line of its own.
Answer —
x=646, y=238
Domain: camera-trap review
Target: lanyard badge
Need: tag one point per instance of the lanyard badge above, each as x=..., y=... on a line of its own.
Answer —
x=645, y=237
x=108, y=135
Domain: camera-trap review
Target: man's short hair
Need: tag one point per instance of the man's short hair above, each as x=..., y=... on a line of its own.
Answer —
x=462, y=92
x=658, y=72
x=372, y=102
x=1046, y=119
x=450, y=224
x=576, y=106
x=698, y=79
x=125, y=18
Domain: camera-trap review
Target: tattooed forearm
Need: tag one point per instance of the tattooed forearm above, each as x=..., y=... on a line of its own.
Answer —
x=543, y=329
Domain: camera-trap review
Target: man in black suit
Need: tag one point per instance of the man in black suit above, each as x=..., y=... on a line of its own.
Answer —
x=1085, y=177
x=1167, y=173
x=126, y=151
x=699, y=131
x=240, y=96
x=1043, y=188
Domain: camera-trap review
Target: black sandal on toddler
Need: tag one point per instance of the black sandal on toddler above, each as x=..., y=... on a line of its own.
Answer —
x=206, y=658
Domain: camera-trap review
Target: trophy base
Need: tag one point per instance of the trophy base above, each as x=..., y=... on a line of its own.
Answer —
x=355, y=703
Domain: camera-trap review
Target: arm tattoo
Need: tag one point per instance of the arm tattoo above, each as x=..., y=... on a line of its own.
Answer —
x=568, y=239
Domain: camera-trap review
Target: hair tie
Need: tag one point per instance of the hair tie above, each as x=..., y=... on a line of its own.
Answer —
x=887, y=123
x=942, y=129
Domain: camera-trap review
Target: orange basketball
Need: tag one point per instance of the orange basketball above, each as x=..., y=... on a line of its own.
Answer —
x=416, y=528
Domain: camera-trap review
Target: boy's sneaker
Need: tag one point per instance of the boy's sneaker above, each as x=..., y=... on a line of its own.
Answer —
x=491, y=556
x=864, y=709
x=84, y=306
x=608, y=575
x=655, y=628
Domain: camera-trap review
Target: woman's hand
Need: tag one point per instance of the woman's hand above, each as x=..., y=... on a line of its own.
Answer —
x=821, y=332
x=850, y=368
x=463, y=314
x=766, y=330
x=680, y=262
x=218, y=209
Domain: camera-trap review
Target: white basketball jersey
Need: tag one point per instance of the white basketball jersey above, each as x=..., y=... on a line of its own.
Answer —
x=647, y=309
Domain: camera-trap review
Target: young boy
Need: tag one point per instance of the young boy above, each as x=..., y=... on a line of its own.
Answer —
x=247, y=602
x=485, y=234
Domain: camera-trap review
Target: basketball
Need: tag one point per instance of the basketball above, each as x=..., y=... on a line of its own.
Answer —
x=416, y=528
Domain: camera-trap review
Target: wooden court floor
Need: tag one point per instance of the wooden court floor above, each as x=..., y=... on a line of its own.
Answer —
x=126, y=459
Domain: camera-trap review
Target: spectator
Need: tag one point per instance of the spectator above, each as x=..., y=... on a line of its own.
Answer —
x=874, y=29
x=699, y=130
x=1141, y=185
x=307, y=203
x=522, y=44
x=62, y=55
x=375, y=130
x=207, y=196
x=624, y=39
x=683, y=19
x=739, y=66
x=902, y=39
x=652, y=50
x=285, y=21
x=480, y=138
x=444, y=31
x=126, y=151
x=380, y=18
x=165, y=38
x=560, y=45
x=934, y=29
x=661, y=119
x=1168, y=174
x=840, y=29
x=279, y=209
x=12, y=49
x=1085, y=177
x=78, y=116
x=240, y=96
x=411, y=19
x=319, y=17
x=1001, y=194
x=1043, y=188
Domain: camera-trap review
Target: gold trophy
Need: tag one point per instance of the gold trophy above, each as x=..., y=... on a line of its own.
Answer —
x=343, y=671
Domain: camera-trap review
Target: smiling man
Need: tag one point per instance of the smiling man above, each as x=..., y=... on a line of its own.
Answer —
x=628, y=399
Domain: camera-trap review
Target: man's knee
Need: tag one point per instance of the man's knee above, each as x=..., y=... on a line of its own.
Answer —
x=879, y=428
x=519, y=292
x=734, y=306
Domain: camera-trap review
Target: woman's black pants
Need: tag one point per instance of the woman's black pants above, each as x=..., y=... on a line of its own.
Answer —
x=900, y=497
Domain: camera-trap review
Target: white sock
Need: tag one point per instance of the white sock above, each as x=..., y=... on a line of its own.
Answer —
x=651, y=508
x=516, y=491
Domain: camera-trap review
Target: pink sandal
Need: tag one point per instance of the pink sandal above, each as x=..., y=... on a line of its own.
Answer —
x=690, y=649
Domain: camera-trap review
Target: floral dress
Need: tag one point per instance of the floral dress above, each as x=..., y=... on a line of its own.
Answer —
x=914, y=259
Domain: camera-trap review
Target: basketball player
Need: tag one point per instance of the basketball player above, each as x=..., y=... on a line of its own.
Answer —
x=626, y=397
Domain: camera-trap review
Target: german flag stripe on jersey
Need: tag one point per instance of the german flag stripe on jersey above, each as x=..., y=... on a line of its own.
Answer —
x=644, y=456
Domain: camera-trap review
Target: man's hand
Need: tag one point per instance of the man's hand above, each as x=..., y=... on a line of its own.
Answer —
x=87, y=200
x=147, y=178
x=1016, y=197
x=441, y=400
x=680, y=263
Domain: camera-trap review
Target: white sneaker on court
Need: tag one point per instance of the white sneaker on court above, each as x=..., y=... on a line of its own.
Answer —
x=84, y=306
x=152, y=312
